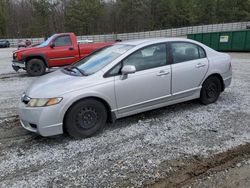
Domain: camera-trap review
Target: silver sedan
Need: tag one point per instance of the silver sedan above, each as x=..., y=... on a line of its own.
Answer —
x=121, y=80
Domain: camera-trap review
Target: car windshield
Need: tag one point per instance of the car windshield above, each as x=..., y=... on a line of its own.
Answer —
x=46, y=43
x=96, y=61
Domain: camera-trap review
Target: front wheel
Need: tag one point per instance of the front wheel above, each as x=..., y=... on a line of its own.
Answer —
x=35, y=67
x=211, y=90
x=85, y=118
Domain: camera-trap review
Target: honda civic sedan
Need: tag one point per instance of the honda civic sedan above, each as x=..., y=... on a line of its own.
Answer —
x=121, y=80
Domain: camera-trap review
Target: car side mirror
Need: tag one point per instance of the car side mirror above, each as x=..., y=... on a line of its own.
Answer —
x=128, y=69
x=52, y=45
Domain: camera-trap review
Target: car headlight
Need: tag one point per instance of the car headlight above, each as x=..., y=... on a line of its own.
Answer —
x=43, y=102
x=15, y=55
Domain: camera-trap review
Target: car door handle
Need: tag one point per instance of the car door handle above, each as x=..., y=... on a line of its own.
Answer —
x=162, y=73
x=71, y=48
x=199, y=65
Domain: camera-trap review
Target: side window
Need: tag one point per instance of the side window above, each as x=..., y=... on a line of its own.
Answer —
x=202, y=53
x=148, y=58
x=115, y=70
x=63, y=41
x=185, y=52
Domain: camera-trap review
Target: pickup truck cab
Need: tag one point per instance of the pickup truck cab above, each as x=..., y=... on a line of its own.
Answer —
x=58, y=50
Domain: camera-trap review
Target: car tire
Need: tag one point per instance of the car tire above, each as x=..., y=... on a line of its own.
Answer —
x=211, y=90
x=85, y=118
x=35, y=67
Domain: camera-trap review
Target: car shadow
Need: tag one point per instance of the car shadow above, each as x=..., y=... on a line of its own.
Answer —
x=153, y=114
x=123, y=122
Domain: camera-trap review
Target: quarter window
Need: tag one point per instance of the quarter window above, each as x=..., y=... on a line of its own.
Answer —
x=63, y=41
x=148, y=58
x=186, y=52
x=202, y=53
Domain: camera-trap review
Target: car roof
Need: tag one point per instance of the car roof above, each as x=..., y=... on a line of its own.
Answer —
x=152, y=40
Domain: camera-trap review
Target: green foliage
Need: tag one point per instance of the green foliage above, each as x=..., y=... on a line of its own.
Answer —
x=33, y=18
x=3, y=17
x=81, y=15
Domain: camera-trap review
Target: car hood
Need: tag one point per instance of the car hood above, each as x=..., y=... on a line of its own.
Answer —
x=56, y=84
x=28, y=49
x=24, y=50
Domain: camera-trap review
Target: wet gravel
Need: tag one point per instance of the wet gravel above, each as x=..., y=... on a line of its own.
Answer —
x=128, y=153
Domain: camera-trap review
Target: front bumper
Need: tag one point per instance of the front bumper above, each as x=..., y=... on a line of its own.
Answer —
x=16, y=65
x=45, y=121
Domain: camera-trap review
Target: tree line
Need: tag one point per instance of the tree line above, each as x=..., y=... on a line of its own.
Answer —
x=41, y=18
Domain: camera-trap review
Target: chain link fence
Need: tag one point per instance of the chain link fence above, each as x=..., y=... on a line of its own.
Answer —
x=174, y=32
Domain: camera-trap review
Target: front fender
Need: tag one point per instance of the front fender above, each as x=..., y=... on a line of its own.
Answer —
x=70, y=98
x=33, y=56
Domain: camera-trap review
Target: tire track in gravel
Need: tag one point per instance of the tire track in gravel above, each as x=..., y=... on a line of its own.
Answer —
x=12, y=76
x=186, y=171
x=11, y=131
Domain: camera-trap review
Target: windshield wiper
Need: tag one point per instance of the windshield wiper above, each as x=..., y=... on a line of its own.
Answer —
x=81, y=71
x=69, y=69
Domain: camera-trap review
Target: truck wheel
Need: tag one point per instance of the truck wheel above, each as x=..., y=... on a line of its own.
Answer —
x=35, y=67
x=211, y=90
x=85, y=118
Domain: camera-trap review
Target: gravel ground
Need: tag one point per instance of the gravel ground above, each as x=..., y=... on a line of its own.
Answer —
x=130, y=153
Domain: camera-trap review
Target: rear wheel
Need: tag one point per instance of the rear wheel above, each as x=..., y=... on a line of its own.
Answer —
x=85, y=118
x=211, y=90
x=35, y=67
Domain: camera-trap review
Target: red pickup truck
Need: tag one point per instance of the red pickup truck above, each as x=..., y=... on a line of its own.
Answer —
x=58, y=50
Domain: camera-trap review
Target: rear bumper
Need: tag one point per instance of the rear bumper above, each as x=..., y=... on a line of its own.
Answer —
x=16, y=65
x=227, y=81
x=227, y=78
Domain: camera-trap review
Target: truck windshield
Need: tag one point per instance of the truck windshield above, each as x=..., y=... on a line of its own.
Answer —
x=97, y=61
x=46, y=43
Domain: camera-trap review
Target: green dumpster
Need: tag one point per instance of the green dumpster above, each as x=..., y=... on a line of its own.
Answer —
x=229, y=41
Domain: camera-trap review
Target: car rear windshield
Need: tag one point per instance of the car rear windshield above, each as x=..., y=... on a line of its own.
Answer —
x=96, y=61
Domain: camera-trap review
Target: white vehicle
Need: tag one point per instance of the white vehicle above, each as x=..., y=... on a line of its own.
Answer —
x=87, y=41
x=121, y=80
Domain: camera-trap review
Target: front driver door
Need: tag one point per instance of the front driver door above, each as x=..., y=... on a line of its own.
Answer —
x=63, y=53
x=149, y=85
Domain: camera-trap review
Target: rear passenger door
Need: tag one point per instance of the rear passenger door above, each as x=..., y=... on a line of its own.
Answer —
x=189, y=67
